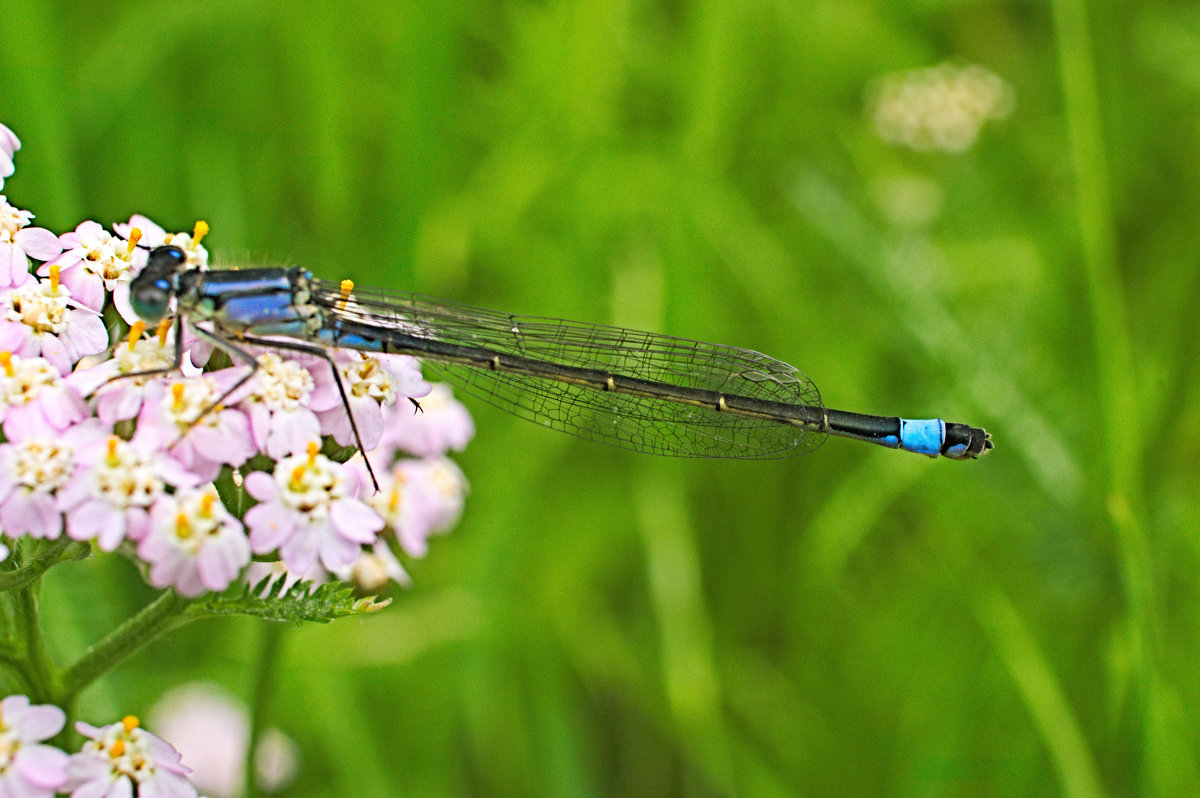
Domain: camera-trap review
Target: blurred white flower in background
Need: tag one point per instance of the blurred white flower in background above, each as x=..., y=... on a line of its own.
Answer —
x=211, y=729
x=906, y=200
x=941, y=107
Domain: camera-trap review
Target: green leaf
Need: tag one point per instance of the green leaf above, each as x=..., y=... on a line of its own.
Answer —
x=301, y=602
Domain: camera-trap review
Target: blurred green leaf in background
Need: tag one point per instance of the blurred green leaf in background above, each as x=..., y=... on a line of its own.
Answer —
x=854, y=622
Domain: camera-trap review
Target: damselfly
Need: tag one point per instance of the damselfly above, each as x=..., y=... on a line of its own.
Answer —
x=637, y=390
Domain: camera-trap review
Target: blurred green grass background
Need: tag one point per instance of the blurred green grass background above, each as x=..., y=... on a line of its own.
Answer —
x=856, y=622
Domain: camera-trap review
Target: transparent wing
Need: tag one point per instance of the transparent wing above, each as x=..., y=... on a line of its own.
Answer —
x=645, y=424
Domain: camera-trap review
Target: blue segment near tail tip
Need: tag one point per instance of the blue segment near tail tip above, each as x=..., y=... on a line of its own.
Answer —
x=923, y=435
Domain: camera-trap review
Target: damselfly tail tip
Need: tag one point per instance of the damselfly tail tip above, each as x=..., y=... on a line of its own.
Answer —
x=987, y=443
x=966, y=443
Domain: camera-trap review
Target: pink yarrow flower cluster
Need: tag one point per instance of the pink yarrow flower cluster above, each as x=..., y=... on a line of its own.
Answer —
x=117, y=759
x=107, y=442
x=124, y=759
x=27, y=766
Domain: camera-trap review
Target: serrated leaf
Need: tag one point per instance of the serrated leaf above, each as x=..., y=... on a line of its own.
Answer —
x=301, y=602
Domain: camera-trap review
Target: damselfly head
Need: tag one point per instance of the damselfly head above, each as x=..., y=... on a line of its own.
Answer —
x=150, y=292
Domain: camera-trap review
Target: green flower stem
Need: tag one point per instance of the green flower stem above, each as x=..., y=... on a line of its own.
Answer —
x=159, y=616
x=41, y=559
x=23, y=651
x=264, y=682
x=36, y=667
x=16, y=678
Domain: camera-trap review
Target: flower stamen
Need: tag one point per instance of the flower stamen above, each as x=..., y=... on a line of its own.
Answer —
x=135, y=332
x=199, y=232
x=297, y=482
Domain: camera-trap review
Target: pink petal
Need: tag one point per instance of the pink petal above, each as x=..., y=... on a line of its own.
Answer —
x=137, y=523
x=13, y=336
x=89, y=228
x=62, y=407
x=42, y=766
x=40, y=722
x=71, y=256
x=164, y=754
x=86, y=288
x=12, y=261
x=292, y=432
x=337, y=552
x=354, y=520
x=175, y=474
x=75, y=492
x=299, y=552
x=17, y=515
x=118, y=403
x=411, y=383
x=198, y=352
x=87, y=730
x=270, y=525
x=152, y=234
x=38, y=243
x=210, y=444
x=335, y=422
x=413, y=539
x=261, y=486
x=220, y=563
x=153, y=548
x=236, y=428
x=185, y=452
x=166, y=785
x=9, y=143
x=19, y=420
x=324, y=396
x=54, y=350
x=120, y=297
x=260, y=426
x=369, y=418
x=162, y=573
x=356, y=466
x=88, y=380
x=101, y=785
x=50, y=519
x=85, y=332
x=85, y=521
x=31, y=513
x=112, y=531
x=186, y=580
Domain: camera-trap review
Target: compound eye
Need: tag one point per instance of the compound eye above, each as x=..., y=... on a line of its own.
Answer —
x=151, y=301
x=167, y=257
